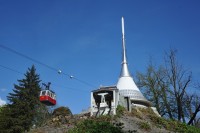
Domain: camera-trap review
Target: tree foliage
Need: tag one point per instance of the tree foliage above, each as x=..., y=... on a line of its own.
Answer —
x=167, y=87
x=25, y=109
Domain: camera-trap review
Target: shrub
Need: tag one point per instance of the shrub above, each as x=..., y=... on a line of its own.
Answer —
x=96, y=125
x=144, y=125
x=182, y=127
x=120, y=110
x=62, y=111
x=135, y=112
x=173, y=125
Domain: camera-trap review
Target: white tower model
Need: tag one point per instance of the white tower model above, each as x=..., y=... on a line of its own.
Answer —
x=125, y=84
x=106, y=99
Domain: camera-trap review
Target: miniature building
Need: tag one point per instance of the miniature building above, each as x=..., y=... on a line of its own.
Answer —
x=106, y=99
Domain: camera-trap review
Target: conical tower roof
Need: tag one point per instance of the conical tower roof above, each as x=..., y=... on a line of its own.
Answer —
x=126, y=84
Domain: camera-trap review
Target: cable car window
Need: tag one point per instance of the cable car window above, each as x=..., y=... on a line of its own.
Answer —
x=48, y=93
x=43, y=92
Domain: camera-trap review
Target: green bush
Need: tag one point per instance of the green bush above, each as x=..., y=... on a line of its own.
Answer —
x=135, y=112
x=160, y=122
x=120, y=110
x=144, y=125
x=182, y=127
x=62, y=111
x=173, y=125
x=97, y=125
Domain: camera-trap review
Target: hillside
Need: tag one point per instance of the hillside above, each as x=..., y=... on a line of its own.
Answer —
x=137, y=121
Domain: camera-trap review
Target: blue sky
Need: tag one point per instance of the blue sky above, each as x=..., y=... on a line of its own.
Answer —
x=83, y=39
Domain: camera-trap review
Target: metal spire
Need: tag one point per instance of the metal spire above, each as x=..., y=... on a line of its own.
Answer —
x=124, y=70
x=125, y=84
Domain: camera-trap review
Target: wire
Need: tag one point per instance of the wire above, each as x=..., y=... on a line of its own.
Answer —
x=11, y=69
x=29, y=58
x=84, y=82
x=43, y=64
x=68, y=88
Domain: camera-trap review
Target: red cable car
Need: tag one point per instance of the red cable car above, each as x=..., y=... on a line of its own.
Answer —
x=48, y=97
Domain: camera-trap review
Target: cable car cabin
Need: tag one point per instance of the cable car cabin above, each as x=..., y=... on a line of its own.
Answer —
x=48, y=97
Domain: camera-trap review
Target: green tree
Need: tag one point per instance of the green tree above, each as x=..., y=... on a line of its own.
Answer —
x=1, y=108
x=25, y=108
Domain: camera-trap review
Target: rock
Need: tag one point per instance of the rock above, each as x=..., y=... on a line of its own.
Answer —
x=63, y=120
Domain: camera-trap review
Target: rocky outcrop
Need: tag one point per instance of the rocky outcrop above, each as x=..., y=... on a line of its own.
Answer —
x=139, y=120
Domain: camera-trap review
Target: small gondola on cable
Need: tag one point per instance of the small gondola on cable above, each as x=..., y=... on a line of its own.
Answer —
x=47, y=96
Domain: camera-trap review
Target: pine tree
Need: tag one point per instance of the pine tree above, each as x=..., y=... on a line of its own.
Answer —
x=24, y=108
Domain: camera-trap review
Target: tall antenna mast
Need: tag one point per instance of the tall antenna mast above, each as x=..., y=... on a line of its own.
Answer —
x=124, y=70
x=123, y=42
x=125, y=84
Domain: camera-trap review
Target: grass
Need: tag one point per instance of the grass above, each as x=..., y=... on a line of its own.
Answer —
x=120, y=110
x=159, y=122
x=100, y=124
x=144, y=125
